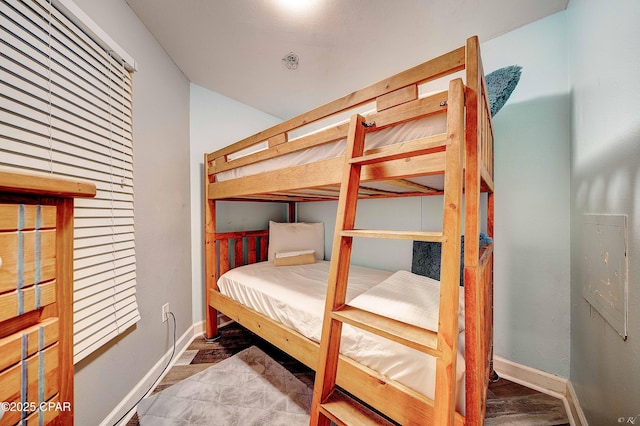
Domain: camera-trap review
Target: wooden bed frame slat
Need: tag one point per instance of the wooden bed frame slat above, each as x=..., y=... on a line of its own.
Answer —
x=224, y=256
x=400, y=96
x=434, y=104
x=315, y=139
x=323, y=173
x=408, y=405
x=402, y=150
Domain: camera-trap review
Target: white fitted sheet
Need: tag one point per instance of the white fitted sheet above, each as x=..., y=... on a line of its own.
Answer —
x=427, y=126
x=295, y=297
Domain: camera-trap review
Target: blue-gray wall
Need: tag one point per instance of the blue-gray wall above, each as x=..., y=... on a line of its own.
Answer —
x=605, y=179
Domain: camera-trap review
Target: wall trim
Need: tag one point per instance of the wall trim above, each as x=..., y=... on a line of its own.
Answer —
x=556, y=386
x=574, y=405
x=182, y=343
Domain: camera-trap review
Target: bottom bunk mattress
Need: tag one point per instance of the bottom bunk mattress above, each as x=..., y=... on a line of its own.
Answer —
x=295, y=297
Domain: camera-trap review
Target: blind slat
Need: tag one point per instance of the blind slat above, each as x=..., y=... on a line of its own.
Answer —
x=66, y=108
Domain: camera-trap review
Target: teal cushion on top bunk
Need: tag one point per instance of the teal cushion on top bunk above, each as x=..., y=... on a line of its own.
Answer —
x=427, y=257
x=500, y=85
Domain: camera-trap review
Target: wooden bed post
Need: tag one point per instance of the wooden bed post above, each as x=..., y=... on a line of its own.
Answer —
x=477, y=297
x=472, y=169
x=493, y=376
x=473, y=357
x=210, y=275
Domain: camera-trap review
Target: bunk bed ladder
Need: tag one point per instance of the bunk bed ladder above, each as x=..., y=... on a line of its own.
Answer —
x=331, y=404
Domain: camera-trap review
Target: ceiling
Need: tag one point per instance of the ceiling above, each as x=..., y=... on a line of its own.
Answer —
x=236, y=47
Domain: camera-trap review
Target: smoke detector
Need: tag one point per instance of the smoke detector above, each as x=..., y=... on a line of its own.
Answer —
x=291, y=61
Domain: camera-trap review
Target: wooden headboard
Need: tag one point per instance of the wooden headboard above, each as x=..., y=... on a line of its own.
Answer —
x=240, y=248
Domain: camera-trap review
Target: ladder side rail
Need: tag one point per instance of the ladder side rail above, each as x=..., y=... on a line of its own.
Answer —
x=445, y=392
x=326, y=370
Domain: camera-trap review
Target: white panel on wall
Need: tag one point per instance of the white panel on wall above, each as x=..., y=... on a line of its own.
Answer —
x=605, y=283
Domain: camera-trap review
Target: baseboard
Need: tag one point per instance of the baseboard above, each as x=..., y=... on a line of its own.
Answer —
x=556, y=386
x=574, y=406
x=198, y=328
x=129, y=401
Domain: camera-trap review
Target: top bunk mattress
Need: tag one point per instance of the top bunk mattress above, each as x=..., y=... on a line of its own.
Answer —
x=295, y=297
x=407, y=131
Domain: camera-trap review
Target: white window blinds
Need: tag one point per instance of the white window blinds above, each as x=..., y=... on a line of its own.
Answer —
x=66, y=109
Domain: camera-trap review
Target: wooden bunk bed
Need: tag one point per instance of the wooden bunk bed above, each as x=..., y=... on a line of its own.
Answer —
x=461, y=155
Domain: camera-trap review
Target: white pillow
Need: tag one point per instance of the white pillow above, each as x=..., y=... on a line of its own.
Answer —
x=284, y=237
x=409, y=298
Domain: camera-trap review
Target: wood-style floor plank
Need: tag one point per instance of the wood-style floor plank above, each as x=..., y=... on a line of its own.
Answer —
x=508, y=403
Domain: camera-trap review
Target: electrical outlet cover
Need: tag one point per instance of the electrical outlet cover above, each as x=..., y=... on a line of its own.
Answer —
x=165, y=312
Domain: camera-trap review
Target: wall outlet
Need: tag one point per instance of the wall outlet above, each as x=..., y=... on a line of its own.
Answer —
x=165, y=312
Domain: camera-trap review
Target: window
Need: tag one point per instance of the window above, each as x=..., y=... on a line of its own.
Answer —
x=66, y=109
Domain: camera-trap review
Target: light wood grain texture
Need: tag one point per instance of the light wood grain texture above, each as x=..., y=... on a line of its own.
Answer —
x=327, y=367
x=278, y=140
x=400, y=96
x=19, y=248
x=11, y=381
x=11, y=345
x=65, y=302
x=464, y=155
x=472, y=282
x=9, y=302
x=36, y=290
x=343, y=410
x=445, y=393
x=323, y=173
x=402, y=183
x=10, y=217
x=403, y=333
x=43, y=184
x=403, y=150
x=210, y=259
x=395, y=235
x=430, y=70
x=407, y=406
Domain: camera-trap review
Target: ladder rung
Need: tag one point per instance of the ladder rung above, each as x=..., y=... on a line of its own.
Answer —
x=344, y=410
x=406, y=334
x=396, y=235
x=397, y=151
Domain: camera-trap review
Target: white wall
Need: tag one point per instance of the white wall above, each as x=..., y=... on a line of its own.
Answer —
x=217, y=121
x=532, y=255
x=605, y=167
x=162, y=216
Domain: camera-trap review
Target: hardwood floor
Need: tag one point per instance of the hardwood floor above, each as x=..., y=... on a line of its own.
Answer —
x=508, y=403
